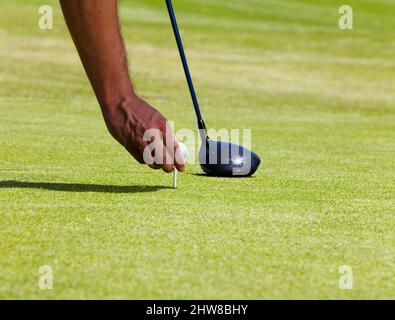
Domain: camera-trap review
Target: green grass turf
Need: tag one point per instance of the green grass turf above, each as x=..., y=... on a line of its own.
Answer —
x=319, y=101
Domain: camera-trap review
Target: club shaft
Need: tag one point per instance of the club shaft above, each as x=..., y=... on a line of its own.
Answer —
x=173, y=19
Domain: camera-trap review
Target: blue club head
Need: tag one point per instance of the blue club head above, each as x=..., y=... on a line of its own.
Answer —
x=224, y=159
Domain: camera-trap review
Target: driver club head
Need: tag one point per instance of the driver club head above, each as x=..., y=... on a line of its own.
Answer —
x=216, y=158
x=224, y=159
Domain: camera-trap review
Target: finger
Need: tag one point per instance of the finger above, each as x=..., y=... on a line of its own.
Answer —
x=168, y=165
x=147, y=155
x=169, y=141
x=149, y=159
x=174, y=150
x=168, y=151
x=161, y=156
x=179, y=158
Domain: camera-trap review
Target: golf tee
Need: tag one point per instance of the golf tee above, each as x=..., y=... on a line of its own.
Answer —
x=175, y=178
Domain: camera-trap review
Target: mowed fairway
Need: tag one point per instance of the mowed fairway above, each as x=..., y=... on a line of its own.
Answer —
x=320, y=104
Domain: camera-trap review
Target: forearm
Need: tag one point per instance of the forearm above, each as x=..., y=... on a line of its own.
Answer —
x=94, y=27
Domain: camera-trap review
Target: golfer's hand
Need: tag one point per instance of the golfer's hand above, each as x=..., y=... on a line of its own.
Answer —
x=94, y=26
x=141, y=129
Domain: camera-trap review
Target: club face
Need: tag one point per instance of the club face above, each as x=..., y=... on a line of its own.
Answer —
x=224, y=159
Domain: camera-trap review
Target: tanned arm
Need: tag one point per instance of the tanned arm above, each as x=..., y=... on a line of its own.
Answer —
x=94, y=27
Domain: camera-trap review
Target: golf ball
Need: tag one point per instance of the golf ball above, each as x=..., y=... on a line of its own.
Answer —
x=184, y=151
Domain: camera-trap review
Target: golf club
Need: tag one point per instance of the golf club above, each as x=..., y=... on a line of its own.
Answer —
x=216, y=158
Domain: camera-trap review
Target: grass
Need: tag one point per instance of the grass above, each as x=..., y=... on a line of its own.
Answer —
x=319, y=101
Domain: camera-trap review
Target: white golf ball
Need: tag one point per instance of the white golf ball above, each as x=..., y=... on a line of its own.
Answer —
x=184, y=151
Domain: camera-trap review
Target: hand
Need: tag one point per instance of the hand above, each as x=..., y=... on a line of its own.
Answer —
x=131, y=122
x=94, y=26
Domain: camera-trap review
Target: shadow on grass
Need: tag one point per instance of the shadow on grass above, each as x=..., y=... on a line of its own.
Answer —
x=223, y=177
x=78, y=187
